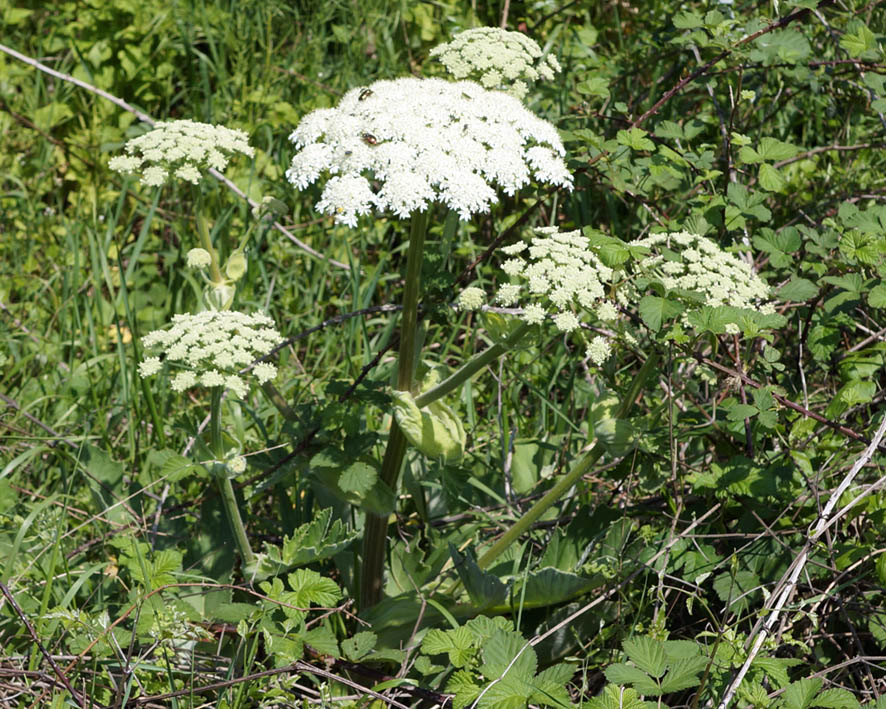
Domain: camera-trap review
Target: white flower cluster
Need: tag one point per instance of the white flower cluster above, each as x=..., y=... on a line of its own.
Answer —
x=403, y=144
x=212, y=347
x=690, y=262
x=497, y=59
x=560, y=273
x=180, y=149
x=471, y=298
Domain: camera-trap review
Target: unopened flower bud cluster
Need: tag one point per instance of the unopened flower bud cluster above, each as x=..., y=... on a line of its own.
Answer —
x=561, y=277
x=180, y=149
x=401, y=145
x=690, y=262
x=211, y=347
x=497, y=59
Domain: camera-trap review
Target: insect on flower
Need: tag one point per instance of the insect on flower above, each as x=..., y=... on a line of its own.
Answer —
x=369, y=139
x=365, y=94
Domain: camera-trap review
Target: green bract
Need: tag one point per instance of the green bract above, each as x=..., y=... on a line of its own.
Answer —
x=434, y=430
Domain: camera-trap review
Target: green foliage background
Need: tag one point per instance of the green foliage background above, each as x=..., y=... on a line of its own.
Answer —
x=707, y=117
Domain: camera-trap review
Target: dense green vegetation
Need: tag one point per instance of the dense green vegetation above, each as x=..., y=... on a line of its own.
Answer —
x=699, y=520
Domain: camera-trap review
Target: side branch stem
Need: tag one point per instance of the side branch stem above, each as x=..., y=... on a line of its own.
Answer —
x=572, y=477
x=226, y=489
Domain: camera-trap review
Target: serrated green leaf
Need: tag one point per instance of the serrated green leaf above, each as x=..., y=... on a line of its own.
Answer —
x=737, y=590
x=359, y=645
x=683, y=674
x=174, y=467
x=740, y=412
x=594, y=86
x=771, y=179
x=647, y=653
x=549, y=586
x=685, y=20
x=464, y=686
x=323, y=640
x=621, y=673
x=776, y=150
x=510, y=693
x=774, y=668
x=880, y=568
x=836, y=699
x=798, y=290
x=877, y=296
x=499, y=652
x=358, y=478
x=654, y=311
x=614, y=697
x=799, y=695
x=858, y=39
x=310, y=587
x=635, y=138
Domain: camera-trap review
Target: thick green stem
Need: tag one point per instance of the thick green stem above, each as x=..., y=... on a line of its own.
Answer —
x=471, y=367
x=375, y=529
x=220, y=473
x=206, y=242
x=572, y=477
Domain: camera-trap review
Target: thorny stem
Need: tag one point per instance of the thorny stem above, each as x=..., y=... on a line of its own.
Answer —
x=375, y=530
x=225, y=488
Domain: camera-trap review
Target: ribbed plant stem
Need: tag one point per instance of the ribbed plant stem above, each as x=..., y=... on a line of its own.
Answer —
x=229, y=499
x=471, y=367
x=572, y=477
x=376, y=527
x=203, y=232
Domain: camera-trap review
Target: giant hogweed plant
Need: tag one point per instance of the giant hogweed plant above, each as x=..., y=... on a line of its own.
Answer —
x=614, y=303
x=423, y=149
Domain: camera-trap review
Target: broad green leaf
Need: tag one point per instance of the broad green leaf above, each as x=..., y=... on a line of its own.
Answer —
x=464, y=686
x=635, y=138
x=359, y=645
x=740, y=412
x=799, y=695
x=549, y=586
x=310, y=587
x=798, y=290
x=654, y=311
x=647, y=653
x=484, y=588
x=501, y=649
x=358, y=478
x=836, y=699
x=510, y=693
x=858, y=39
x=434, y=430
x=621, y=673
x=457, y=643
x=771, y=179
x=683, y=673
x=877, y=296
x=614, y=697
x=737, y=590
x=323, y=640
x=774, y=668
x=686, y=20
x=776, y=150
x=594, y=86
x=50, y=115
